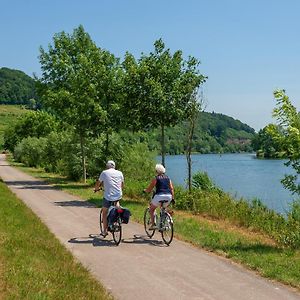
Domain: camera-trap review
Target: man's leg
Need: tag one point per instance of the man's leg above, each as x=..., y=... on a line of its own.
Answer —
x=104, y=218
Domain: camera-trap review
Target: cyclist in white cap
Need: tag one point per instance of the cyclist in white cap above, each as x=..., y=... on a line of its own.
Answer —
x=112, y=181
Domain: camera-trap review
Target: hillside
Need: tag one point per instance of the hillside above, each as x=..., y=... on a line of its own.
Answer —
x=16, y=87
x=214, y=133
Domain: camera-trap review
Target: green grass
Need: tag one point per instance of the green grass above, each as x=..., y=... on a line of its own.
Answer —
x=33, y=263
x=8, y=115
x=252, y=249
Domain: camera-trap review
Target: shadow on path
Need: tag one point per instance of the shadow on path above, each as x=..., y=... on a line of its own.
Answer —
x=75, y=203
x=30, y=184
x=96, y=240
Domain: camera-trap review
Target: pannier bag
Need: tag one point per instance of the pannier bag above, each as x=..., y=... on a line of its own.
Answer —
x=125, y=215
x=112, y=215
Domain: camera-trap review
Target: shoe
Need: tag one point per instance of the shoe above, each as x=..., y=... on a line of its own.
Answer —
x=152, y=227
x=104, y=234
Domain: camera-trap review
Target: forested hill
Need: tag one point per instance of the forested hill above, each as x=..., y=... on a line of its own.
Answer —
x=214, y=133
x=16, y=87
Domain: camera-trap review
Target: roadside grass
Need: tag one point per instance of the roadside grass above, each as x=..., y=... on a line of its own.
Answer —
x=250, y=248
x=33, y=263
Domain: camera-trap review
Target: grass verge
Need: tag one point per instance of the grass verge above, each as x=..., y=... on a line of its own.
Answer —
x=253, y=250
x=33, y=263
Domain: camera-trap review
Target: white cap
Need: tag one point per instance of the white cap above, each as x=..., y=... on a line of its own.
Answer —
x=110, y=164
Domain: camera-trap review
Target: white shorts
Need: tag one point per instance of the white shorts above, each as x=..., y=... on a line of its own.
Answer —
x=155, y=200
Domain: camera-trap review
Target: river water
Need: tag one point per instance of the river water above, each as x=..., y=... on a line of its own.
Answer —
x=242, y=175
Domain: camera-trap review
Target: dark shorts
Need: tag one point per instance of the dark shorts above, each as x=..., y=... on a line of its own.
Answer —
x=107, y=203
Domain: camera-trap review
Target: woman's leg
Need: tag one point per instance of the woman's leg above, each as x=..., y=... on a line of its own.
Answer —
x=152, y=210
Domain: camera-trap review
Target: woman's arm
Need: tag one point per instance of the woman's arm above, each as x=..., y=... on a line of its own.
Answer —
x=172, y=189
x=151, y=186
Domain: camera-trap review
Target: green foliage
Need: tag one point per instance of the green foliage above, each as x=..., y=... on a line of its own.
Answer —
x=267, y=143
x=232, y=136
x=255, y=215
x=31, y=151
x=202, y=181
x=138, y=162
x=33, y=124
x=16, y=87
x=79, y=84
x=9, y=114
x=158, y=88
x=289, y=138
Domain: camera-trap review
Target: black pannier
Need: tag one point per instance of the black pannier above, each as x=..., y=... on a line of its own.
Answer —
x=112, y=215
x=125, y=215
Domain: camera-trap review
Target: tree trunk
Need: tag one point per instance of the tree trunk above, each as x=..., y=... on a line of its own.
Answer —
x=189, y=152
x=107, y=146
x=163, y=149
x=83, y=161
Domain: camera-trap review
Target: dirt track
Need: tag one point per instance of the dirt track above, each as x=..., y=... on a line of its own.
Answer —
x=139, y=268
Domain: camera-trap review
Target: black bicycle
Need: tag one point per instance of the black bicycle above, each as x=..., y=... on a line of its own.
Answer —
x=164, y=223
x=115, y=227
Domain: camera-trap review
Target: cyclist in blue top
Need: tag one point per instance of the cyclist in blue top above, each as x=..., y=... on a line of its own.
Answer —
x=163, y=191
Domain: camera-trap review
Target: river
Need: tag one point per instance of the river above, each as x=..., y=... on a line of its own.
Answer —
x=242, y=175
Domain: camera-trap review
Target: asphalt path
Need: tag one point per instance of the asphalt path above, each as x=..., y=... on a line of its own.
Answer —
x=139, y=268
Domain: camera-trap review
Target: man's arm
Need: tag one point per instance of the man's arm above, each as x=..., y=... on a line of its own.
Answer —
x=98, y=185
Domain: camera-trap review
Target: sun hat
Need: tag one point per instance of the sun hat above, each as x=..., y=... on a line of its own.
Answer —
x=111, y=164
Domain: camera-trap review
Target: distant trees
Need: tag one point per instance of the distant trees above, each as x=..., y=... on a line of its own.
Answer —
x=16, y=87
x=266, y=144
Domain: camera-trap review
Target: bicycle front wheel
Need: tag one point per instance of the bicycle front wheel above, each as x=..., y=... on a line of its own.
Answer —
x=117, y=231
x=101, y=221
x=167, y=230
x=147, y=223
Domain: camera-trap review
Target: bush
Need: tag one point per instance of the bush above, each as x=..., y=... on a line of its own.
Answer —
x=202, y=181
x=31, y=151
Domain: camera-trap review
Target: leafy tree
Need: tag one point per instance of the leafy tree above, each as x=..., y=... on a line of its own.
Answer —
x=289, y=120
x=158, y=89
x=77, y=84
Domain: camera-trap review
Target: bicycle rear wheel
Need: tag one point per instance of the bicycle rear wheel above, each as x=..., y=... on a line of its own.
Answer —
x=101, y=222
x=167, y=230
x=117, y=231
x=147, y=223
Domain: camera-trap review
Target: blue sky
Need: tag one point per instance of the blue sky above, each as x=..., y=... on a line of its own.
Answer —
x=247, y=48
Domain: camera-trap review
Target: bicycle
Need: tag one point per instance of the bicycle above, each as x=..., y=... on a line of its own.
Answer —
x=116, y=227
x=164, y=223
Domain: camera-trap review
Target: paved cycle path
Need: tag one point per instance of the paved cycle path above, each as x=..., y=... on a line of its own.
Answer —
x=139, y=268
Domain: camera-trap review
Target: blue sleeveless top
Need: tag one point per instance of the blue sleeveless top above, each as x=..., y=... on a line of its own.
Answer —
x=162, y=184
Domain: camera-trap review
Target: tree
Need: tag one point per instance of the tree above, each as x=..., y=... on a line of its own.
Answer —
x=76, y=84
x=192, y=113
x=289, y=120
x=158, y=89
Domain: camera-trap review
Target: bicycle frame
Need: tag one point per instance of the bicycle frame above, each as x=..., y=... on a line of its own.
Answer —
x=164, y=222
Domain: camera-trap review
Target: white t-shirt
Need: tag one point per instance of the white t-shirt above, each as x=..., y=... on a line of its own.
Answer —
x=112, y=181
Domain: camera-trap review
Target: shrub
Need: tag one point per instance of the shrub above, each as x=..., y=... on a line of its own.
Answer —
x=202, y=181
x=31, y=151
